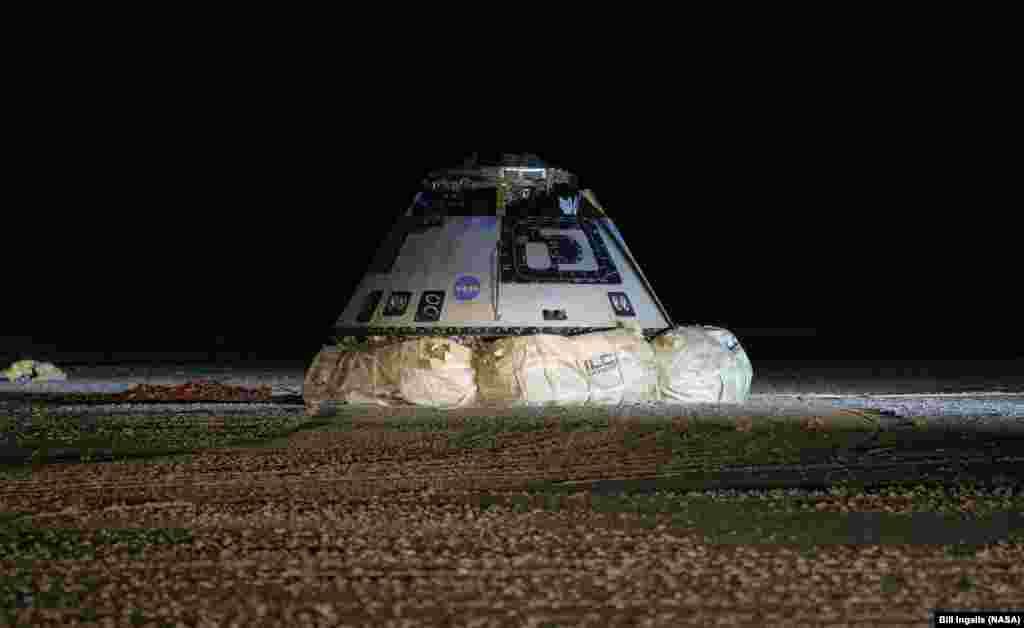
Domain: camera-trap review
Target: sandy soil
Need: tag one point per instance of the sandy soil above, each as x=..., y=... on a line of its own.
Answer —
x=383, y=528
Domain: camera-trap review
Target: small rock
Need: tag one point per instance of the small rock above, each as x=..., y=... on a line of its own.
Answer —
x=23, y=599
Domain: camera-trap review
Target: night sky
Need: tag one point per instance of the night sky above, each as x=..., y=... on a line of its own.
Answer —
x=862, y=229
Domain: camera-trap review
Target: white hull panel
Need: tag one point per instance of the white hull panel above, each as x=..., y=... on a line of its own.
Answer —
x=480, y=274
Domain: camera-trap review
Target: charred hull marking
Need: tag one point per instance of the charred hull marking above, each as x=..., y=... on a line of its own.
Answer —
x=649, y=332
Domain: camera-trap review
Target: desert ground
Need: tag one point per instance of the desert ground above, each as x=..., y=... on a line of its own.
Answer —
x=843, y=494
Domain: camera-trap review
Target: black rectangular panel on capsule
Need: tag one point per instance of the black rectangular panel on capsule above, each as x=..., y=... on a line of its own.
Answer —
x=430, y=307
x=397, y=303
x=620, y=303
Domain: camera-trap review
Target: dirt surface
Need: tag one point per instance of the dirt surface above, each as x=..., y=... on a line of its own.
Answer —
x=365, y=524
x=368, y=518
x=283, y=378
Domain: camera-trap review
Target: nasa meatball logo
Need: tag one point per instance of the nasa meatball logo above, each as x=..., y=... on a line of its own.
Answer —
x=467, y=288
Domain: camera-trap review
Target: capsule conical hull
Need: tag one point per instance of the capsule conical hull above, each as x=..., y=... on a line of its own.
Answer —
x=497, y=251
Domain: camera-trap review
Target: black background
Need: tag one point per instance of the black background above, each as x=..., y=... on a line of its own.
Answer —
x=848, y=209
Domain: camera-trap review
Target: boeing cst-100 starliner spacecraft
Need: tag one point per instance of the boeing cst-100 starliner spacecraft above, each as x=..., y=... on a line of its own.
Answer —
x=505, y=283
x=502, y=247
